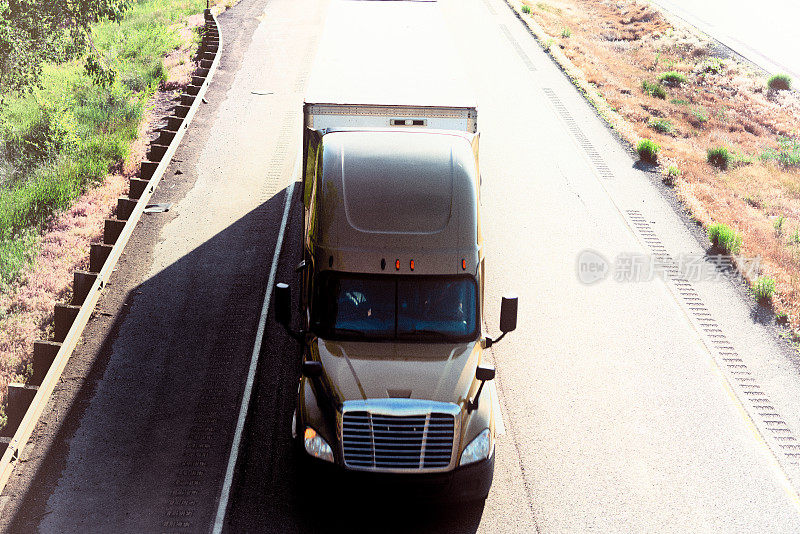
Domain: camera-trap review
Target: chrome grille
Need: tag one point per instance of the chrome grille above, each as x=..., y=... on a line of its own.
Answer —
x=397, y=442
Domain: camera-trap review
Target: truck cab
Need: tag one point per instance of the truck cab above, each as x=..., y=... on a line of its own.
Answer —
x=391, y=302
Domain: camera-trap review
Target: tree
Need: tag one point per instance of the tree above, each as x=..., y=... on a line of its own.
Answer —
x=34, y=32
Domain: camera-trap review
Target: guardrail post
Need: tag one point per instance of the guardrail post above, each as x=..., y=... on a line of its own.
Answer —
x=111, y=230
x=125, y=207
x=44, y=352
x=19, y=398
x=166, y=136
x=182, y=111
x=81, y=284
x=156, y=152
x=137, y=188
x=98, y=253
x=63, y=318
x=186, y=99
x=149, y=167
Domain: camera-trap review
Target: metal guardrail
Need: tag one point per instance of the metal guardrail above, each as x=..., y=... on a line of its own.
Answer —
x=19, y=441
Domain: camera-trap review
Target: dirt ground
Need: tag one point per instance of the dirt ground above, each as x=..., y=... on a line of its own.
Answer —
x=610, y=47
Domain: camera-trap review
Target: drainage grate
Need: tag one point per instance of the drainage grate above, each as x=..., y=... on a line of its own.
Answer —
x=490, y=7
x=732, y=363
x=520, y=52
x=572, y=125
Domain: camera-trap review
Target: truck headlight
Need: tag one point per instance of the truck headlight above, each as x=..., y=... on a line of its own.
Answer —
x=478, y=449
x=316, y=445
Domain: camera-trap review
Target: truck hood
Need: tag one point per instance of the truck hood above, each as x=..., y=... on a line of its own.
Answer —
x=364, y=370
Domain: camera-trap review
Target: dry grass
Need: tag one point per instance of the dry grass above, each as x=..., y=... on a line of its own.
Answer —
x=26, y=308
x=615, y=46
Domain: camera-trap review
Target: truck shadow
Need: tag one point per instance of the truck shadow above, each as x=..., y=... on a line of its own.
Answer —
x=160, y=398
x=353, y=511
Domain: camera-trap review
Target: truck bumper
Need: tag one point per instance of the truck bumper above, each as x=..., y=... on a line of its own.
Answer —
x=468, y=483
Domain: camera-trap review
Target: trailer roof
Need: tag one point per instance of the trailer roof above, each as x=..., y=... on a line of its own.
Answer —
x=387, y=192
x=388, y=53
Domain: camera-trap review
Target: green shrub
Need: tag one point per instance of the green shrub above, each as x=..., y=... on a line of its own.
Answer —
x=15, y=255
x=671, y=174
x=780, y=82
x=526, y=9
x=648, y=150
x=724, y=237
x=764, y=288
x=42, y=133
x=566, y=33
x=679, y=102
x=660, y=125
x=712, y=65
x=653, y=89
x=672, y=78
x=782, y=318
x=788, y=153
x=719, y=157
x=778, y=225
x=700, y=117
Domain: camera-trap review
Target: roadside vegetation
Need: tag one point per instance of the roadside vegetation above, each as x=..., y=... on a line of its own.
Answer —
x=780, y=82
x=654, y=89
x=672, y=78
x=764, y=288
x=660, y=125
x=671, y=174
x=729, y=135
x=719, y=157
x=725, y=238
x=648, y=151
x=70, y=137
x=65, y=135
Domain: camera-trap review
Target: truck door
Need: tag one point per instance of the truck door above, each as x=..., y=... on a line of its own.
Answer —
x=312, y=164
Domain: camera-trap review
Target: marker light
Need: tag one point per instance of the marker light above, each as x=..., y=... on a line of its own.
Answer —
x=463, y=265
x=397, y=265
x=412, y=265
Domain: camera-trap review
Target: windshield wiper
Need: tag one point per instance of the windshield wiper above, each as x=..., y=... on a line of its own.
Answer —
x=350, y=331
x=436, y=333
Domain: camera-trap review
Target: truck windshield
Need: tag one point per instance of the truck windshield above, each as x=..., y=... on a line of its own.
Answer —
x=403, y=308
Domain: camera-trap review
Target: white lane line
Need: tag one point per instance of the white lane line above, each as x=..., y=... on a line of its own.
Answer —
x=219, y=520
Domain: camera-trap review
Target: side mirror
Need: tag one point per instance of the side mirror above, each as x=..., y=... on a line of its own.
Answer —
x=482, y=373
x=311, y=368
x=283, y=303
x=508, y=314
x=508, y=320
x=485, y=372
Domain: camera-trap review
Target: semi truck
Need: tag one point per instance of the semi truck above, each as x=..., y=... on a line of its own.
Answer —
x=392, y=274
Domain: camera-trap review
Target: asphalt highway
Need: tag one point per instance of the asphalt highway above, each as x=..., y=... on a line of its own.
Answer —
x=631, y=403
x=763, y=33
